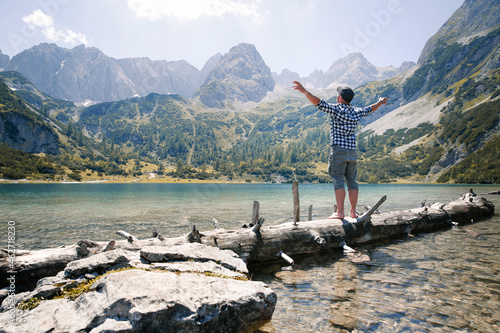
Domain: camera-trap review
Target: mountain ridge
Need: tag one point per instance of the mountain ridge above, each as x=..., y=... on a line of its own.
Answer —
x=86, y=75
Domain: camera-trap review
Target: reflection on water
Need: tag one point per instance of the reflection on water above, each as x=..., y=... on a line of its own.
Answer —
x=445, y=281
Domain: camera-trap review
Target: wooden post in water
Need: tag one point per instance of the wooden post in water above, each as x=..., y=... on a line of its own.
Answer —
x=310, y=214
x=296, y=203
x=255, y=212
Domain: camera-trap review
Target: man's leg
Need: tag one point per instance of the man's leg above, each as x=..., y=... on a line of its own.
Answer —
x=337, y=168
x=340, y=198
x=353, y=198
x=352, y=184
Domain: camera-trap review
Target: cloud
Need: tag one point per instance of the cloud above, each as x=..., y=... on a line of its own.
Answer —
x=190, y=10
x=38, y=20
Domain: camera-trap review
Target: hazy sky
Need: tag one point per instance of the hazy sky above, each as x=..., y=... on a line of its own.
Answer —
x=301, y=35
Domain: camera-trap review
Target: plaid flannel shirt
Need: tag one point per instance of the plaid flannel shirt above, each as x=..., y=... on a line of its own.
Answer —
x=343, y=121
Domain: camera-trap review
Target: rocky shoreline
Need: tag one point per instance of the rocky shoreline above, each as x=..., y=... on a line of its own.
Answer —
x=187, y=288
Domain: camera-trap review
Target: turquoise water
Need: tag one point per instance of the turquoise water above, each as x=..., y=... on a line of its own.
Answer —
x=445, y=281
x=56, y=214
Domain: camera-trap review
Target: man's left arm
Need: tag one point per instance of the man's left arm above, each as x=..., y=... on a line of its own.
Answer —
x=381, y=101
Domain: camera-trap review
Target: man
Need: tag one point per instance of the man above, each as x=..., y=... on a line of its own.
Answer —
x=342, y=162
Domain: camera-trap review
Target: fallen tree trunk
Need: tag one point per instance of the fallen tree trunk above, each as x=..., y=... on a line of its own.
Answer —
x=268, y=243
x=316, y=236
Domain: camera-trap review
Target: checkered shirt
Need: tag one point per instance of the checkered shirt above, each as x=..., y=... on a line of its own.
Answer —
x=343, y=121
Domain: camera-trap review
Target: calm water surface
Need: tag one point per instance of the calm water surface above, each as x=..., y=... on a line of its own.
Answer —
x=445, y=281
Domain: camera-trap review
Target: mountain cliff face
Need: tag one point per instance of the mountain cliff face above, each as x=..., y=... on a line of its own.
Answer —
x=80, y=74
x=240, y=75
x=87, y=74
x=164, y=77
x=474, y=18
x=4, y=60
x=23, y=129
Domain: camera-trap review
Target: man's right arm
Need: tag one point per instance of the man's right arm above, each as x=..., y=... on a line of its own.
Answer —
x=313, y=99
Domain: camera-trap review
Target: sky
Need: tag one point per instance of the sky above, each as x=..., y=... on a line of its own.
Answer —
x=299, y=35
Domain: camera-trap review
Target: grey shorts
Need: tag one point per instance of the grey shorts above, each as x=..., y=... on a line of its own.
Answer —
x=342, y=164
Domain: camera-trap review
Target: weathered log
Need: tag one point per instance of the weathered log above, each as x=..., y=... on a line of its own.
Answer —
x=296, y=203
x=366, y=216
x=303, y=238
x=126, y=235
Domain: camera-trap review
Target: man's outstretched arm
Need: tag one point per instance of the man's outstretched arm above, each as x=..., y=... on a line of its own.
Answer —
x=299, y=87
x=382, y=100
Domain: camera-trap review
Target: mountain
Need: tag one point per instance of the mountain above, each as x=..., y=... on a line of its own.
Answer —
x=161, y=76
x=286, y=77
x=86, y=74
x=23, y=128
x=442, y=122
x=80, y=74
x=473, y=19
x=4, y=60
x=210, y=64
x=39, y=139
x=58, y=110
x=240, y=75
x=353, y=70
x=450, y=100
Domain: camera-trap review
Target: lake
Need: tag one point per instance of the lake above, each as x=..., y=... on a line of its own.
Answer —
x=447, y=281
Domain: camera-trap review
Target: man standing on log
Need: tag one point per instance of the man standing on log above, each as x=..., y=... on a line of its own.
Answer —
x=342, y=162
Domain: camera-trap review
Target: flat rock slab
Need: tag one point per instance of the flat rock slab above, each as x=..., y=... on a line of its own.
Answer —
x=140, y=301
x=97, y=262
x=196, y=252
x=208, y=267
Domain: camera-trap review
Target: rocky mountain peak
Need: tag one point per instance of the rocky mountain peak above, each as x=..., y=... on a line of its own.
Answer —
x=473, y=19
x=286, y=77
x=353, y=70
x=240, y=75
